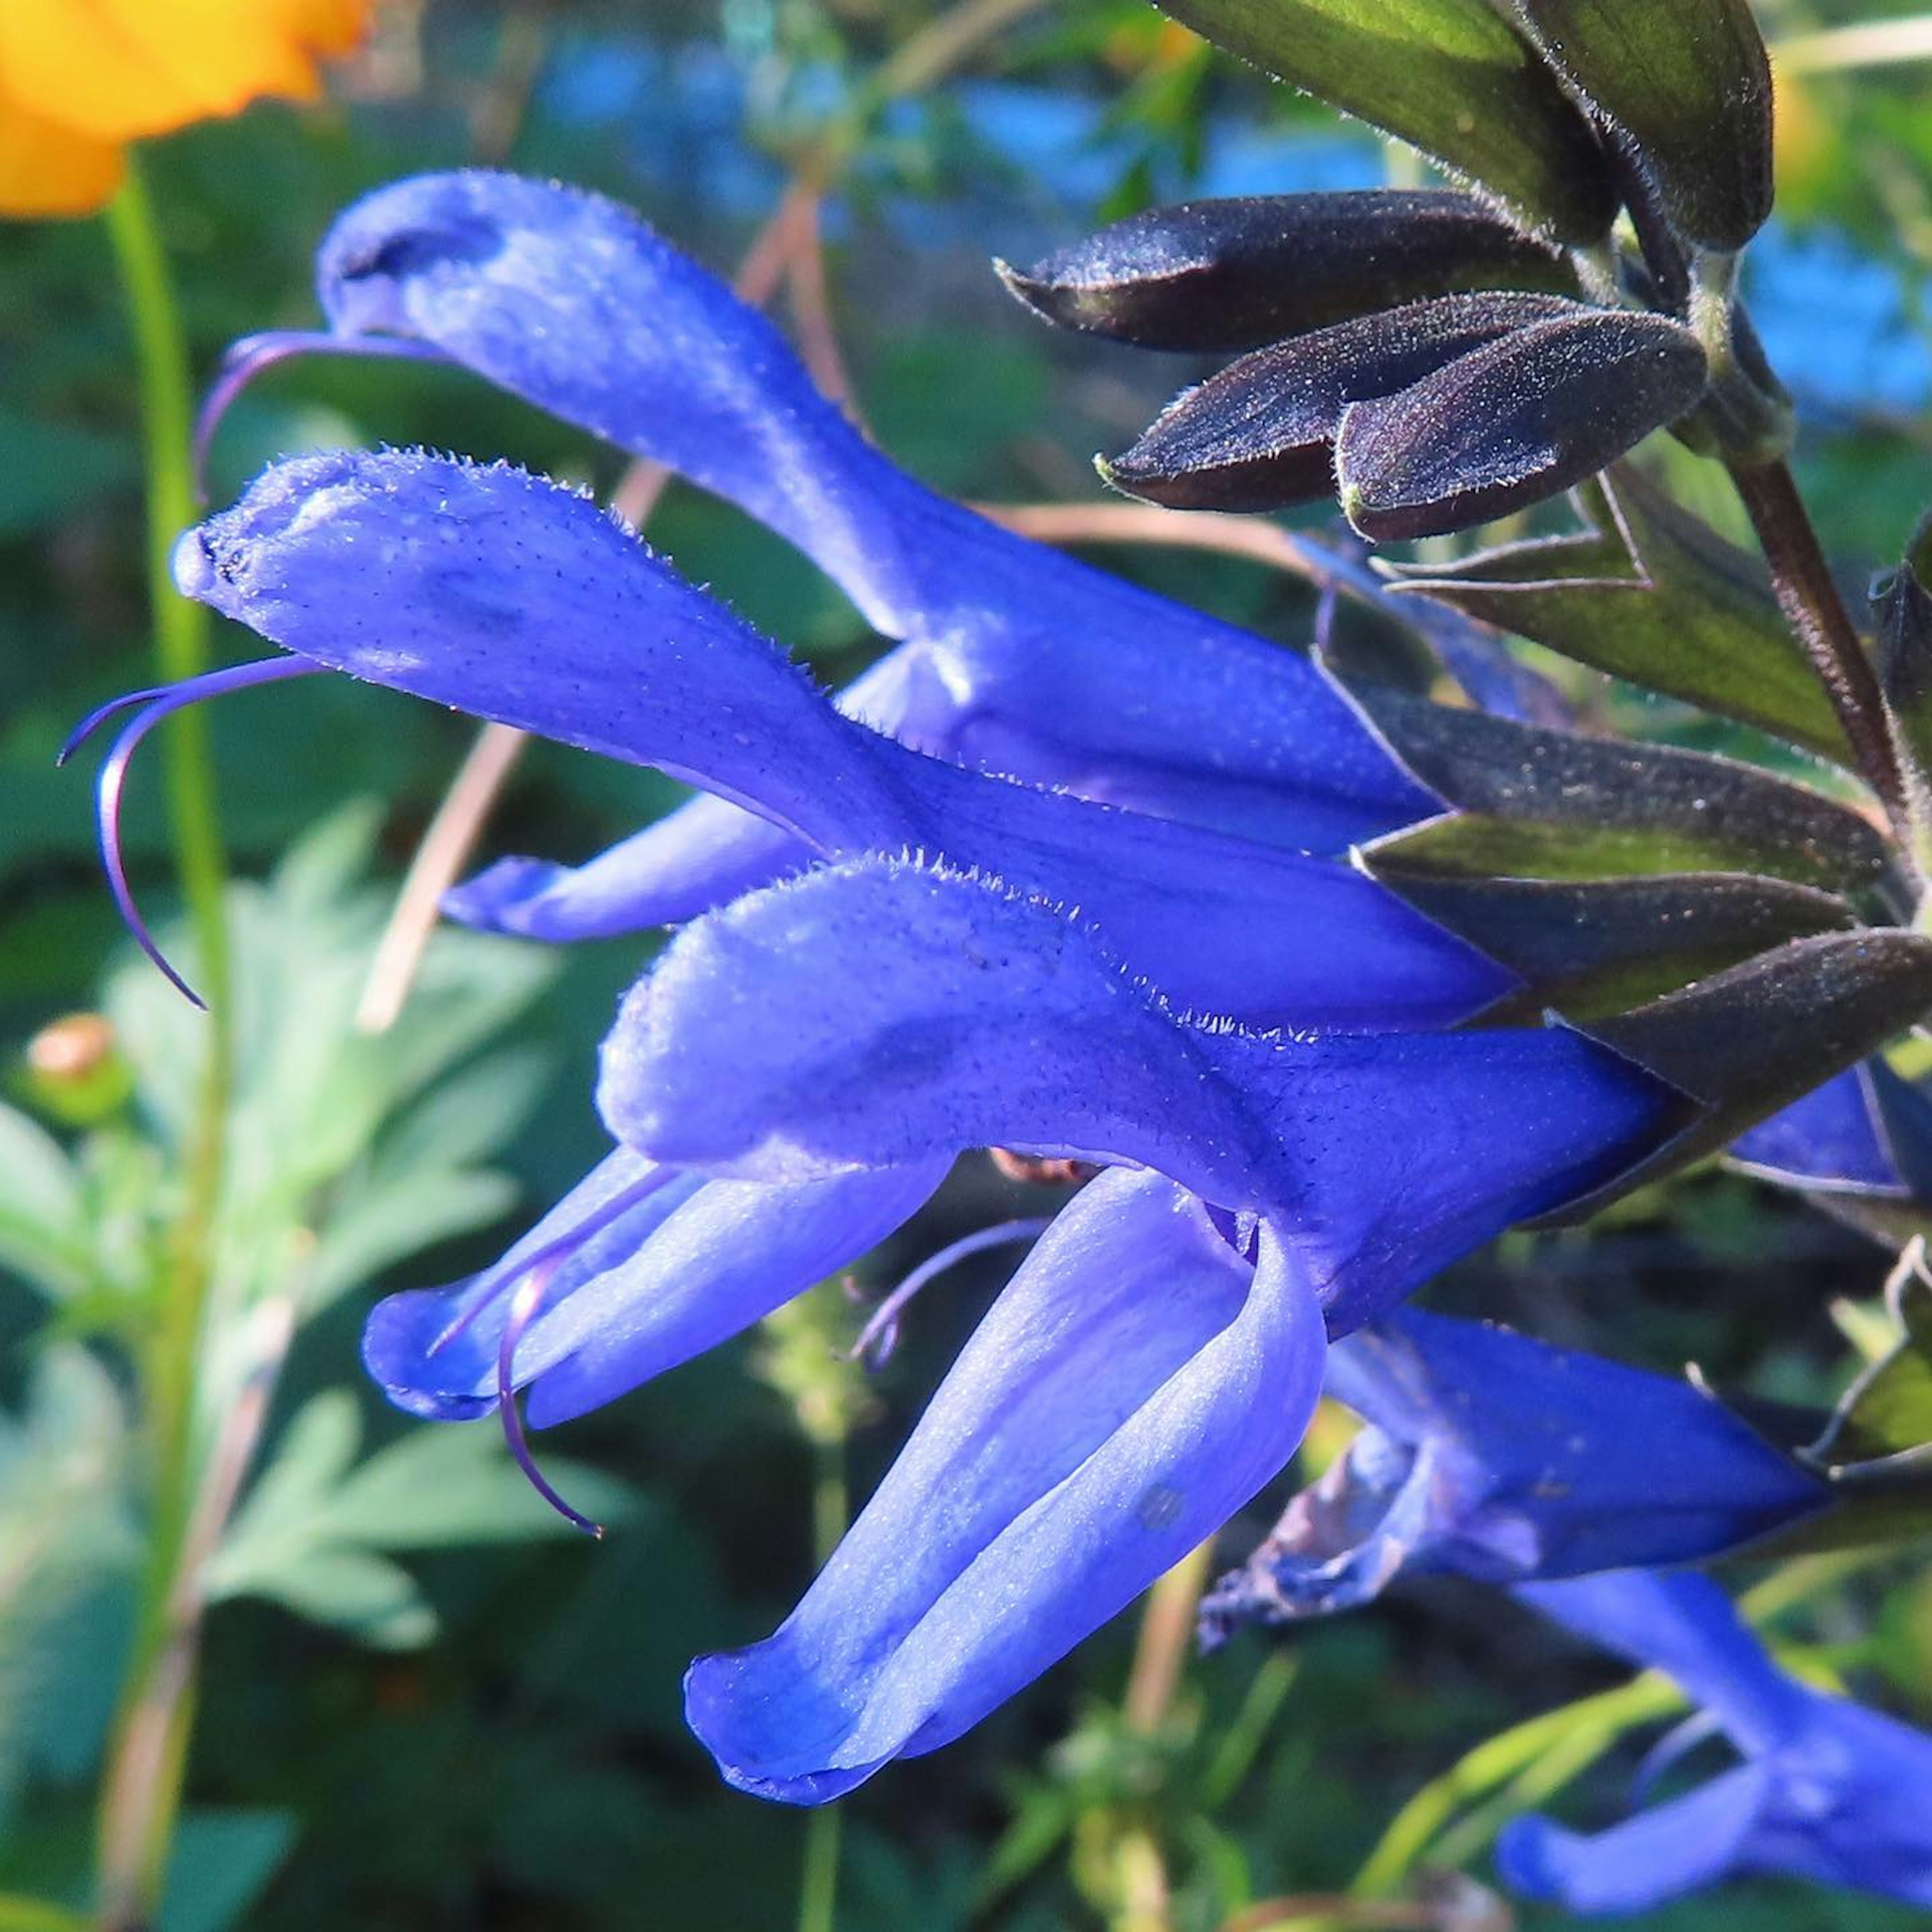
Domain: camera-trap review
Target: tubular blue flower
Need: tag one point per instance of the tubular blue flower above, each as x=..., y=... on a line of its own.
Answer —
x=1015, y=657
x=1827, y=1791
x=1867, y=1131
x=1497, y=1457
x=651, y=1266
x=515, y=599
x=794, y=1075
x=1136, y=1383
x=879, y=1013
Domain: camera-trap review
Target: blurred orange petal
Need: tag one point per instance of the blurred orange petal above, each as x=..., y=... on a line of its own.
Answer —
x=45, y=168
x=119, y=69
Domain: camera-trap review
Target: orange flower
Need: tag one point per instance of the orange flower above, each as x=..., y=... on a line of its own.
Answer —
x=80, y=78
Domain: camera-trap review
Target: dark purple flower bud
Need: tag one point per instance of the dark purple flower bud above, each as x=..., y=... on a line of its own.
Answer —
x=1510, y=424
x=1234, y=274
x=1261, y=433
x=1452, y=77
x=1685, y=86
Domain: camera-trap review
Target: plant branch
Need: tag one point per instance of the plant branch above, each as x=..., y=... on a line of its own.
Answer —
x=1808, y=595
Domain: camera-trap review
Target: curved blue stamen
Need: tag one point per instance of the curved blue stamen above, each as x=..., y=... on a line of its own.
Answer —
x=880, y=1335
x=523, y=1310
x=156, y=704
x=248, y=358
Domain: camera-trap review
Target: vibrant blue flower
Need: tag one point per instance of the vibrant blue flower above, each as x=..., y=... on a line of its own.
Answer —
x=1867, y=1131
x=1826, y=1792
x=1015, y=657
x=967, y=960
x=1495, y=1457
x=513, y=598
x=799, y=1067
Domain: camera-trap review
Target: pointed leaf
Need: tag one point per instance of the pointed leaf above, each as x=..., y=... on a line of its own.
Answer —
x=1534, y=802
x=1238, y=273
x=1449, y=76
x=1685, y=86
x=1603, y=946
x=1902, y=607
x=1824, y=1003
x=1513, y=422
x=1888, y=1411
x=1261, y=433
x=1650, y=593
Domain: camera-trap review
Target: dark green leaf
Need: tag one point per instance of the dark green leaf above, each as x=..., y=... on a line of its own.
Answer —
x=1685, y=85
x=1261, y=433
x=1233, y=274
x=1449, y=76
x=1519, y=419
x=1602, y=945
x=1541, y=803
x=1650, y=593
x=1749, y=1041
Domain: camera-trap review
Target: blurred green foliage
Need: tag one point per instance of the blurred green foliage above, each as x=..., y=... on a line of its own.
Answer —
x=419, y=1710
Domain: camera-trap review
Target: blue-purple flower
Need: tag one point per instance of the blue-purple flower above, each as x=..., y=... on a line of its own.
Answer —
x=1064, y=874
x=1824, y=1790
x=1489, y=1455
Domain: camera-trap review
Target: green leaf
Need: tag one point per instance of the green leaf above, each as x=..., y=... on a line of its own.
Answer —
x=313, y=1533
x=1603, y=946
x=1650, y=593
x=54, y=469
x=43, y=1233
x=1531, y=801
x=1686, y=86
x=67, y=1545
x=363, y=1595
x=222, y=1863
x=1449, y=76
x=447, y=1483
x=1888, y=1411
x=1824, y=1004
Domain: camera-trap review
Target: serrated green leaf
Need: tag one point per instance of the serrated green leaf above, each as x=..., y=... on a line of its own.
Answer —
x=68, y=1543
x=1451, y=77
x=447, y=1484
x=1687, y=86
x=1650, y=593
x=42, y=1226
x=1529, y=801
x=363, y=1595
x=395, y=1214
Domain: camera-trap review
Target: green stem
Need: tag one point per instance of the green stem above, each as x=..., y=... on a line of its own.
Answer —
x=18, y=1914
x=139, y=1807
x=818, y=1877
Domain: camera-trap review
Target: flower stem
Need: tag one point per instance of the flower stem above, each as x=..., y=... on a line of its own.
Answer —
x=1808, y=596
x=152, y=1721
x=818, y=1877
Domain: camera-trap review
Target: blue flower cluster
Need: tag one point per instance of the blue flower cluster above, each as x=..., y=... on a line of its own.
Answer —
x=1065, y=873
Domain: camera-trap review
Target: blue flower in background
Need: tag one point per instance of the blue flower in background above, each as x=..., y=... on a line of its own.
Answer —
x=1491, y=1456
x=1826, y=1791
